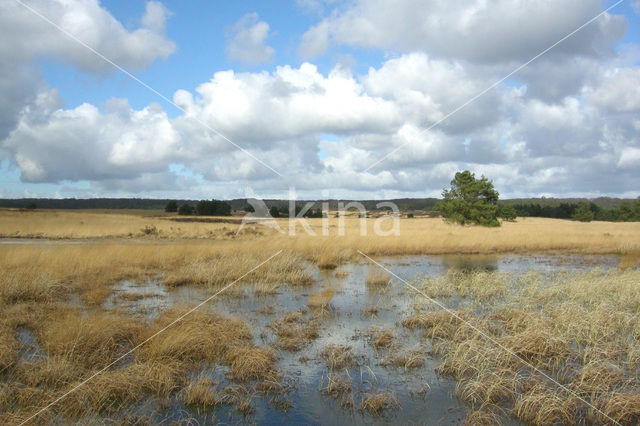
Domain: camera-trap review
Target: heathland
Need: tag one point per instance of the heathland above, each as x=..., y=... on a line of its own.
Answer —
x=560, y=346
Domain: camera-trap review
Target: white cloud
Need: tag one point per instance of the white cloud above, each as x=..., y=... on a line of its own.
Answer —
x=246, y=41
x=619, y=91
x=527, y=145
x=155, y=16
x=566, y=125
x=256, y=108
x=51, y=144
x=24, y=35
x=629, y=158
x=473, y=30
x=315, y=41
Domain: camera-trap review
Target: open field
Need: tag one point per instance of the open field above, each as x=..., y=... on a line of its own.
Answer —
x=416, y=236
x=317, y=321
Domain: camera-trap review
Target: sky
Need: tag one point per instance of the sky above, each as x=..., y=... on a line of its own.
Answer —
x=360, y=99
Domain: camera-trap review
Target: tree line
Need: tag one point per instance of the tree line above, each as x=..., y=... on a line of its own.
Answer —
x=201, y=208
x=625, y=212
x=472, y=200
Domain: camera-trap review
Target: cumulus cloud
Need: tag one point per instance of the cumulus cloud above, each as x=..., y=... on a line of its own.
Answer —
x=566, y=125
x=246, y=41
x=255, y=108
x=26, y=37
x=620, y=90
x=526, y=144
x=51, y=144
x=473, y=30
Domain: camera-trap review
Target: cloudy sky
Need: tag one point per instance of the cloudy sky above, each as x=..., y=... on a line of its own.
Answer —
x=351, y=99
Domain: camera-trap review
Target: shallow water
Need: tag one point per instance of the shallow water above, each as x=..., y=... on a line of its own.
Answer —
x=425, y=398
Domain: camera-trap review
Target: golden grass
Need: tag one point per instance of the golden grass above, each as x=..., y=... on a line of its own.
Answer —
x=338, y=356
x=438, y=323
x=377, y=402
x=200, y=336
x=406, y=359
x=201, y=391
x=251, y=362
x=377, y=278
x=382, y=338
x=337, y=386
x=482, y=418
x=321, y=299
x=579, y=327
x=8, y=348
x=294, y=331
x=630, y=259
x=64, y=224
x=88, y=340
x=417, y=235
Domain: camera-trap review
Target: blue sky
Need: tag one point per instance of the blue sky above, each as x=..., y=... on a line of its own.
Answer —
x=198, y=28
x=344, y=84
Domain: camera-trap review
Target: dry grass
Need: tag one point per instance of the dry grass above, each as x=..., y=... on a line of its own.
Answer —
x=8, y=348
x=224, y=268
x=578, y=327
x=88, y=340
x=622, y=406
x=382, y=338
x=321, y=299
x=376, y=403
x=438, y=323
x=543, y=405
x=338, y=356
x=64, y=224
x=482, y=418
x=337, y=386
x=294, y=331
x=201, y=391
x=377, y=278
x=200, y=336
x=417, y=235
x=630, y=259
x=251, y=362
x=406, y=359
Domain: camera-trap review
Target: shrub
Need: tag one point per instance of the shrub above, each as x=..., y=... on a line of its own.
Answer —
x=149, y=230
x=583, y=213
x=213, y=208
x=171, y=207
x=507, y=213
x=274, y=212
x=185, y=210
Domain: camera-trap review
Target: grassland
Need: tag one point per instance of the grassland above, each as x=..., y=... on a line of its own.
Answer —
x=513, y=339
x=581, y=329
x=420, y=235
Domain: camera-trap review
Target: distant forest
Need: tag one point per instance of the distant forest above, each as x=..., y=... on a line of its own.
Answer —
x=159, y=204
x=603, y=208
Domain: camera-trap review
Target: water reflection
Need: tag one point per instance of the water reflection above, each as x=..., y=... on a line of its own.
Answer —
x=471, y=263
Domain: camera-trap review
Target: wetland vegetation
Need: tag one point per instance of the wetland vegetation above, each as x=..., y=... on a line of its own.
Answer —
x=317, y=334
